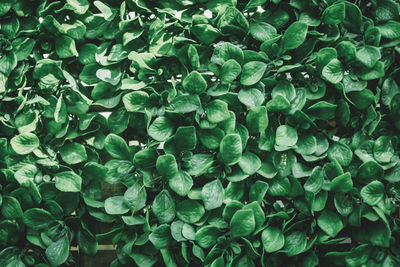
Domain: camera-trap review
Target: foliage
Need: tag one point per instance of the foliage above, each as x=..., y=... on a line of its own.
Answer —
x=242, y=133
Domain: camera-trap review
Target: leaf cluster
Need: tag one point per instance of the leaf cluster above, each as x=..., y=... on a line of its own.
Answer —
x=200, y=132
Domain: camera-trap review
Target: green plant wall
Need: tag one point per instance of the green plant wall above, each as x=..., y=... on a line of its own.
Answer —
x=200, y=132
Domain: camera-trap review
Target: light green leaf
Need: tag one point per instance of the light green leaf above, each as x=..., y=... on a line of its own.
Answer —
x=189, y=211
x=68, y=181
x=330, y=223
x=73, y=153
x=250, y=163
x=368, y=55
x=212, y=195
x=334, y=14
x=242, y=223
x=117, y=147
x=161, y=129
x=166, y=165
x=333, y=72
x=164, y=207
x=286, y=136
x=194, y=83
x=65, y=47
x=272, y=239
x=115, y=205
x=230, y=71
x=181, y=183
x=24, y=143
x=252, y=72
x=262, y=31
x=217, y=111
x=231, y=149
x=257, y=119
x=294, y=35
x=373, y=192
x=135, y=101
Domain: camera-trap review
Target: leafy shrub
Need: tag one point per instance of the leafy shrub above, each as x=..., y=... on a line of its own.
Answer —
x=240, y=133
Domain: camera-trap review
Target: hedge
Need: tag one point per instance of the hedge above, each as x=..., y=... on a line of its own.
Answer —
x=239, y=133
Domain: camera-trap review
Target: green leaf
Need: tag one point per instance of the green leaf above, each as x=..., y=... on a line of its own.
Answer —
x=383, y=149
x=233, y=21
x=189, y=211
x=73, y=153
x=166, y=165
x=185, y=138
x=279, y=187
x=249, y=163
x=334, y=14
x=257, y=119
x=390, y=29
x=181, y=183
x=199, y=164
x=333, y=72
x=116, y=147
x=206, y=236
x=254, y=3
x=161, y=129
x=259, y=215
x=368, y=55
x=135, y=101
x=252, y=72
x=242, y=223
x=373, y=193
x=272, y=239
x=146, y=158
x=258, y=191
x=230, y=71
x=60, y=113
x=262, y=31
x=105, y=10
x=115, y=205
x=78, y=6
x=11, y=209
x=278, y=103
x=6, y=6
x=87, y=242
x=68, y=181
x=330, y=223
x=376, y=72
x=164, y=207
x=231, y=149
x=224, y=51
x=211, y=138
x=212, y=195
x=380, y=234
x=251, y=97
x=24, y=143
x=322, y=110
x=217, y=111
x=369, y=171
x=295, y=243
x=194, y=83
x=134, y=197
x=340, y=152
x=38, y=218
x=185, y=103
x=25, y=173
x=57, y=252
x=315, y=181
x=294, y=35
x=65, y=47
x=342, y=184
x=286, y=136
x=161, y=236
